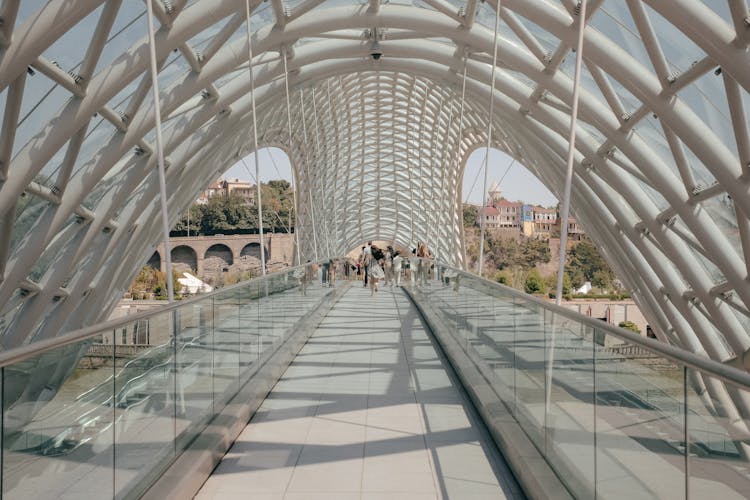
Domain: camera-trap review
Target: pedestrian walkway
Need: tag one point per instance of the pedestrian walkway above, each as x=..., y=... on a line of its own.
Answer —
x=367, y=410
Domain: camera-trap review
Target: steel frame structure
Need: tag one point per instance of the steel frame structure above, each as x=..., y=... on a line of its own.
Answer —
x=662, y=161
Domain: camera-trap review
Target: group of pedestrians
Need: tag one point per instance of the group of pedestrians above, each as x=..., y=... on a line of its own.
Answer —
x=388, y=265
x=373, y=266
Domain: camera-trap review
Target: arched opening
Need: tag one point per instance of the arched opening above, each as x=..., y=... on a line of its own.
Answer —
x=228, y=205
x=221, y=252
x=519, y=212
x=155, y=261
x=184, y=259
x=252, y=250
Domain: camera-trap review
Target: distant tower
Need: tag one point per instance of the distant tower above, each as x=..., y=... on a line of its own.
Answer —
x=494, y=193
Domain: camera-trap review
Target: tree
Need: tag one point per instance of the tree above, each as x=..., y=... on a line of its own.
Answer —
x=470, y=215
x=601, y=279
x=585, y=260
x=533, y=252
x=552, y=284
x=534, y=283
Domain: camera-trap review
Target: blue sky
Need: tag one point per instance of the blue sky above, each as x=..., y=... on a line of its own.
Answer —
x=518, y=183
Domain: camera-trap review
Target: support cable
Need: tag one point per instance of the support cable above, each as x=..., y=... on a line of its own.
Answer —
x=160, y=150
x=482, y=219
x=318, y=155
x=255, y=138
x=289, y=126
x=550, y=361
x=458, y=143
x=571, y=155
x=307, y=174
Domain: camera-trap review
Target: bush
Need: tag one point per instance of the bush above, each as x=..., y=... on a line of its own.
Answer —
x=629, y=325
x=503, y=278
x=534, y=283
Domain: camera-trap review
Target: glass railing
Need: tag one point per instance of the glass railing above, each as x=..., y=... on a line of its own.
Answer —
x=103, y=412
x=611, y=422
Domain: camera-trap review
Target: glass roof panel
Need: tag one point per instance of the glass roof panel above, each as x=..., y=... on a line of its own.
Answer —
x=706, y=97
x=130, y=26
x=722, y=211
x=28, y=210
x=679, y=50
x=613, y=20
x=69, y=50
x=41, y=101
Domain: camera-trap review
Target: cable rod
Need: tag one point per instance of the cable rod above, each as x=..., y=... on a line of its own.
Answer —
x=482, y=219
x=255, y=138
x=160, y=151
x=289, y=127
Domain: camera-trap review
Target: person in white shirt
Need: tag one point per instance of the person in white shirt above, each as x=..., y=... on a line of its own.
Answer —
x=397, y=261
x=413, y=266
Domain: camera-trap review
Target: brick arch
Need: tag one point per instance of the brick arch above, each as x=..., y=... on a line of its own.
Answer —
x=222, y=251
x=253, y=250
x=184, y=257
x=155, y=261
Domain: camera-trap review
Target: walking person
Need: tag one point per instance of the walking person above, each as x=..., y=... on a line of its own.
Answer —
x=414, y=266
x=375, y=269
x=388, y=266
x=397, y=262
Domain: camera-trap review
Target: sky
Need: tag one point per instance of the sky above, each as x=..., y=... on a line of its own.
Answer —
x=517, y=184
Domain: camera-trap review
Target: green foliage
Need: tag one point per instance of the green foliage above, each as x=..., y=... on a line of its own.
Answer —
x=470, y=215
x=534, y=282
x=503, y=278
x=234, y=214
x=552, y=284
x=585, y=263
x=152, y=281
x=629, y=325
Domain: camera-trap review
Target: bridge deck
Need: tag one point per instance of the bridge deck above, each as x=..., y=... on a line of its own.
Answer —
x=367, y=410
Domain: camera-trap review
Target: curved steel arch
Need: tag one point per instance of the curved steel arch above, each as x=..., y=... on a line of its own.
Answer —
x=382, y=157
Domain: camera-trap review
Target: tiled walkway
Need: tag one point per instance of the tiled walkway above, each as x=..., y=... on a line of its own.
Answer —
x=367, y=410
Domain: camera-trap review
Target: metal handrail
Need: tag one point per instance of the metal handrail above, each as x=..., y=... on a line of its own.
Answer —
x=36, y=348
x=677, y=355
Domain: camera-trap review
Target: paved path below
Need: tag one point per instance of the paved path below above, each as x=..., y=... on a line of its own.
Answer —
x=367, y=410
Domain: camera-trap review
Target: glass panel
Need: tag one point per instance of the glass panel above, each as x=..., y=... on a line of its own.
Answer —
x=613, y=19
x=28, y=211
x=570, y=446
x=111, y=412
x=639, y=422
x=530, y=375
x=226, y=347
x=59, y=443
x=42, y=98
x=195, y=346
x=129, y=27
x=69, y=50
x=719, y=466
x=679, y=50
x=707, y=98
x=144, y=402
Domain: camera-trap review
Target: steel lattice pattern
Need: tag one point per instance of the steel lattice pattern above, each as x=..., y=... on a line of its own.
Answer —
x=378, y=147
